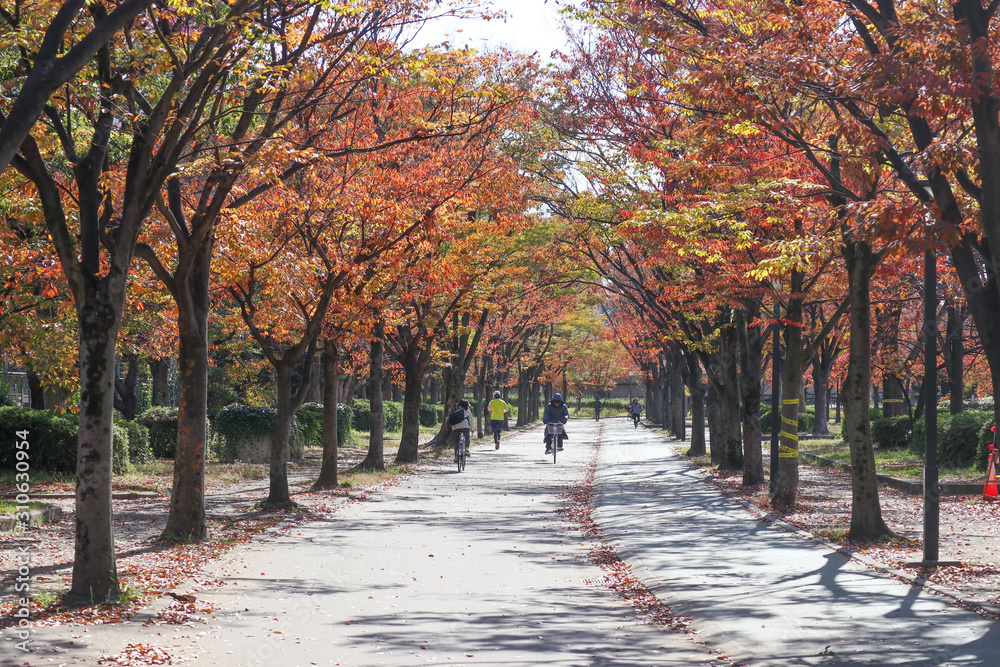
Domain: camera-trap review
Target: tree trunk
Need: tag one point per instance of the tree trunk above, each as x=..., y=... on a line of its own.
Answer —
x=463, y=350
x=866, y=513
x=328, y=470
x=692, y=379
x=186, y=520
x=955, y=351
x=36, y=393
x=288, y=402
x=751, y=354
x=95, y=574
x=127, y=388
x=677, y=403
x=409, y=442
x=821, y=382
x=375, y=459
x=786, y=483
x=724, y=440
x=315, y=394
x=716, y=446
x=159, y=372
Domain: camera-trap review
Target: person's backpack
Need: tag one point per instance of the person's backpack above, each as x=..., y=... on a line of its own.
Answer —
x=456, y=416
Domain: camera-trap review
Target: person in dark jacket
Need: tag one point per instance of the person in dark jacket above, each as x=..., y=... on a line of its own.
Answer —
x=463, y=429
x=555, y=412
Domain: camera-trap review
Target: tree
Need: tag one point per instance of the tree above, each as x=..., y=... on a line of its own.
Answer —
x=76, y=32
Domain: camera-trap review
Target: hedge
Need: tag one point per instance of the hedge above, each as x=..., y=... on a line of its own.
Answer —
x=52, y=439
x=120, y=462
x=962, y=438
x=161, y=422
x=138, y=441
x=393, y=414
x=237, y=422
x=429, y=415
x=361, y=414
x=889, y=432
x=960, y=443
x=345, y=417
x=986, y=438
x=310, y=417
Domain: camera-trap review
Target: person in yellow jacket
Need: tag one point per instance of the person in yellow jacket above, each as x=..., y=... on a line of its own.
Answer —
x=498, y=407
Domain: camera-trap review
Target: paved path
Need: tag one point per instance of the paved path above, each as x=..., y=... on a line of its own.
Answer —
x=478, y=568
x=474, y=568
x=762, y=595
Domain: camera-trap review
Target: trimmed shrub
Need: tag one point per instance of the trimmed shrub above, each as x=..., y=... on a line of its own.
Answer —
x=889, y=432
x=917, y=443
x=959, y=443
x=310, y=418
x=240, y=424
x=161, y=422
x=120, y=462
x=361, y=414
x=429, y=414
x=138, y=441
x=344, y=419
x=393, y=414
x=52, y=439
x=986, y=438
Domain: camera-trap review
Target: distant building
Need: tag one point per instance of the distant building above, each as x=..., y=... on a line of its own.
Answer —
x=17, y=387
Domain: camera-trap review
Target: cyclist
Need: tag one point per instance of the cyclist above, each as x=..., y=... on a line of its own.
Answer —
x=498, y=407
x=463, y=428
x=634, y=410
x=555, y=411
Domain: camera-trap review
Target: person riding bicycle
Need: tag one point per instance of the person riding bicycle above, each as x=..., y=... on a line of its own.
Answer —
x=498, y=407
x=634, y=410
x=555, y=412
x=463, y=428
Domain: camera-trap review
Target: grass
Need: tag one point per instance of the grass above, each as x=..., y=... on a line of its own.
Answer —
x=901, y=462
x=11, y=507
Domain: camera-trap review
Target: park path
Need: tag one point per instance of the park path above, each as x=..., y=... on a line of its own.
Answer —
x=480, y=568
x=762, y=595
x=472, y=568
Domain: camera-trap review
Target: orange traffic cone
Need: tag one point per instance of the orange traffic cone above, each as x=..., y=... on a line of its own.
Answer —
x=990, y=490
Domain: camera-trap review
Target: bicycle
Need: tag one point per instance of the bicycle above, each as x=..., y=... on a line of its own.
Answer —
x=555, y=431
x=461, y=445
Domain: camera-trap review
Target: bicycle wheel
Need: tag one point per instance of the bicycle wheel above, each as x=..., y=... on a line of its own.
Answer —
x=555, y=448
x=466, y=442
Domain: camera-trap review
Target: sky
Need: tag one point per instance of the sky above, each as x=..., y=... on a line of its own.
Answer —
x=531, y=26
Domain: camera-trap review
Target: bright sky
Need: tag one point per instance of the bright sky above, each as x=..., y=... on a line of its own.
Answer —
x=531, y=26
